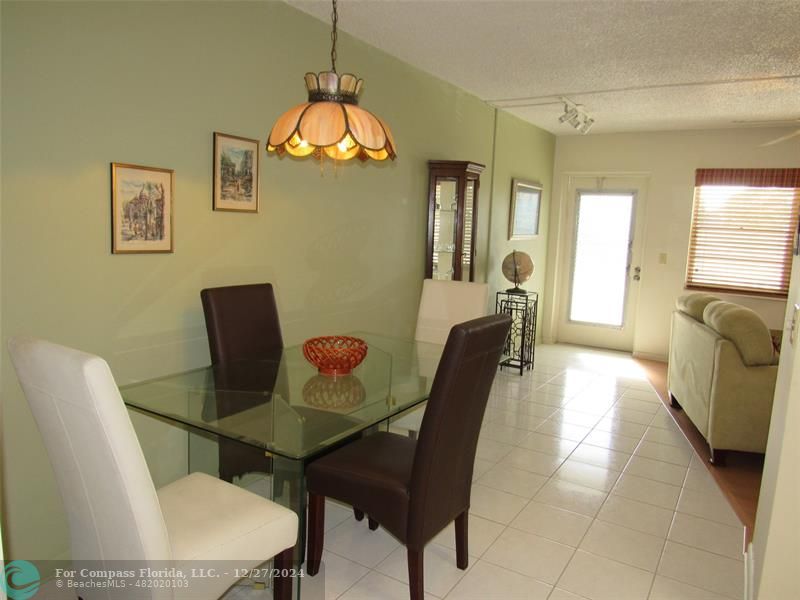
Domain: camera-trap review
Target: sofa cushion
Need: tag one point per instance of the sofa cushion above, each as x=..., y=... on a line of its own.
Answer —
x=744, y=328
x=694, y=304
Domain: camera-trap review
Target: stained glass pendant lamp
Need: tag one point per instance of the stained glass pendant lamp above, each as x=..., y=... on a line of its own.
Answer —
x=331, y=123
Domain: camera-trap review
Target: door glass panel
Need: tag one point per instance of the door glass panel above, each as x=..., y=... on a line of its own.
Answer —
x=444, y=229
x=601, y=255
x=466, y=245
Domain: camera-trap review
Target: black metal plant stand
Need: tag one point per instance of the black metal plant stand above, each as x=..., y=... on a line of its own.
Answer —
x=520, y=346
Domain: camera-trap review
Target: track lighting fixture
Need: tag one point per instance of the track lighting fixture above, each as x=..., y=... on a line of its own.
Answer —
x=575, y=115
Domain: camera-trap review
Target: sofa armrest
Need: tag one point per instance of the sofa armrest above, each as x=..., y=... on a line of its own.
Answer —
x=741, y=401
x=745, y=329
x=692, y=352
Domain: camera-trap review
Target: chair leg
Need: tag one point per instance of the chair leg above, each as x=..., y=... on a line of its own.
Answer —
x=373, y=524
x=358, y=514
x=282, y=580
x=415, y=574
x=316, y=532
x=462, y=538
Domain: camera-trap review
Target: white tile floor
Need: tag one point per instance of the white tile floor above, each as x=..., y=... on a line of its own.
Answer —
x=584, y=489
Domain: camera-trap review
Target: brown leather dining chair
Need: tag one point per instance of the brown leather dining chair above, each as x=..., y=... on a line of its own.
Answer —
x=245, y=342
x=415, y=488
x=242, y=325
x=242, y=322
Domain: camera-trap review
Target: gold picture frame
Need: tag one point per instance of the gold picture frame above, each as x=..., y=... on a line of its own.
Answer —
x=236, y=181
x=526, y=203
x=142, y=206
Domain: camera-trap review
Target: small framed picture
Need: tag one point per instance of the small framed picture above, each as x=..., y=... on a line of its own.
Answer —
x=235, y=173
x=141, y=209
x=526, y=199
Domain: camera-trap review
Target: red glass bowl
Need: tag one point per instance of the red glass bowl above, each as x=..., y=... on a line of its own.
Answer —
x=335, y=354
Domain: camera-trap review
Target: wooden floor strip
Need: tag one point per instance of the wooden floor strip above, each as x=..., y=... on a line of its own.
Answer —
x=739, y=479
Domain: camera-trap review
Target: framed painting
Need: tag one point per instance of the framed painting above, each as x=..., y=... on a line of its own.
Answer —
x=141, y=209
x=526, y=200
x=235, y=173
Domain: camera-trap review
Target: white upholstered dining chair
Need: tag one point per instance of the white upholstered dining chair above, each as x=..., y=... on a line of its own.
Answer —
x=447, y=303
x=114, y=511
x=441, y=305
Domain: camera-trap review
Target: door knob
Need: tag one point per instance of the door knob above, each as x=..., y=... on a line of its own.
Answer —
x=637, y=273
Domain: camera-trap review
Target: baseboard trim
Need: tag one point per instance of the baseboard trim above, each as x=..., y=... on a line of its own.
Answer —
x=650, y=356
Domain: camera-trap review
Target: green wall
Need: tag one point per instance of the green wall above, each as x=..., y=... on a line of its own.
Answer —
x=521, y=152
x=85, y=84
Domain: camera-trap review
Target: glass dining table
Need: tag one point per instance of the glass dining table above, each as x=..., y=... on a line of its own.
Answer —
x=278, y=414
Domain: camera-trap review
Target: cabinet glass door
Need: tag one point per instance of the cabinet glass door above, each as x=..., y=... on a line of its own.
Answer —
x=467, y=232
x=444, y=228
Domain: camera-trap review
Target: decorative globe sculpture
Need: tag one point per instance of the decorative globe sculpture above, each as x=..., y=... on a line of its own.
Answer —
x=517, y=268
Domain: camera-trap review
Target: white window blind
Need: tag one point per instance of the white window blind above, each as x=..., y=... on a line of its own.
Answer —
x=467, y=246
x=436, y=226
x=742, y=236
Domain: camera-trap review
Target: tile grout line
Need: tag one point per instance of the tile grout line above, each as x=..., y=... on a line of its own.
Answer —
x=550, y=478
x=585, y=533
x=666, y=537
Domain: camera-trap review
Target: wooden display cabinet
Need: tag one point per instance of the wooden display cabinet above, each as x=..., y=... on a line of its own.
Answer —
x=452, y=219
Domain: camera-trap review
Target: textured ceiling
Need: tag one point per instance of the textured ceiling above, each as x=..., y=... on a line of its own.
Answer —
x=635, y=66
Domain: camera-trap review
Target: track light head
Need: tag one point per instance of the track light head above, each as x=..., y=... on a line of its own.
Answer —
x=575, y=115
x=569, y=114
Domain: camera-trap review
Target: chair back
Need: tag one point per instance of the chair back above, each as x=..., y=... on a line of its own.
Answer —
x=242, y=322
x=108, y=494
x=445, y=303
x=442, y=473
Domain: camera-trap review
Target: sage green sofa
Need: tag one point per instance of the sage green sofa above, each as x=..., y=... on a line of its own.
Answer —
x=722, y=370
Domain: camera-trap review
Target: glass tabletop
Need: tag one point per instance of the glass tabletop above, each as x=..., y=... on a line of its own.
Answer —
x=284, y=406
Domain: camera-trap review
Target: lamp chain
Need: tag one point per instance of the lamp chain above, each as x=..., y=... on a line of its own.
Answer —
x=334, y=35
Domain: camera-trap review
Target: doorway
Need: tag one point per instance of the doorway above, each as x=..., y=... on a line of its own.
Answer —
x=602, y=262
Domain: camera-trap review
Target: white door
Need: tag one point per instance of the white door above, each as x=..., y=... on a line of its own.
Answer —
x=603, y=258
